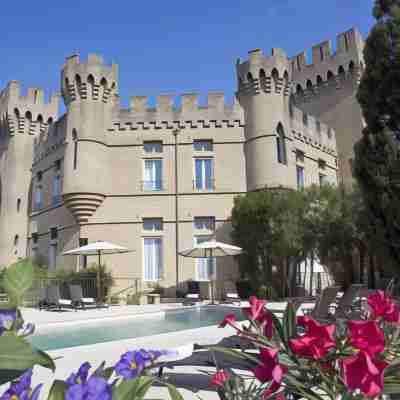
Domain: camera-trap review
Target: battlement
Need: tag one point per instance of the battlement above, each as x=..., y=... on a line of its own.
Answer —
x=166, y=115
x=311, y=131
x=326, y=65
x=27, y=113
x=91, y=80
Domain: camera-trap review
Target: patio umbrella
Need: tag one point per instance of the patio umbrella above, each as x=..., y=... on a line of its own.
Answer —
x=211, y=249
x=97, y=249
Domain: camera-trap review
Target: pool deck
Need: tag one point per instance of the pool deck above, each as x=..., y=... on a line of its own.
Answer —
x=69, y=359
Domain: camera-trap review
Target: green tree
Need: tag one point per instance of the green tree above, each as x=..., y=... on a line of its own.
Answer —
x=377, y=161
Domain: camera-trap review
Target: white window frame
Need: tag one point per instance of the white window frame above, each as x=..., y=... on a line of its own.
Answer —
x=213, y=276
x=204, y=174
x=153, y=150
x=196, y=141
x=145, y=178
x=144, y=257
x=210, y=220
x=160, y=220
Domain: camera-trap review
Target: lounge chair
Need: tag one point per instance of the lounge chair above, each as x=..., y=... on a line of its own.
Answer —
x=191, y=299
x=231, y=298
x=349, y=305
x=323, y=306
x=53, y=298
x=77, y=297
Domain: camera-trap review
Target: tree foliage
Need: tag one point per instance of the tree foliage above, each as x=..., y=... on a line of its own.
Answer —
x=377, y=161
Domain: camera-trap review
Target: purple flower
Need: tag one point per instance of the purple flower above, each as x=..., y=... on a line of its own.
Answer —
x=21, y=389
x=132, y=364
x=83, y=388
x=7, y=318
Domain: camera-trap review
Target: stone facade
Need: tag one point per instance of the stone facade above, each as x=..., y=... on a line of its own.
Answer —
x=102, y=172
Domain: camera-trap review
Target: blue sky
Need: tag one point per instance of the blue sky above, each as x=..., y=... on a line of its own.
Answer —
x=164, y=46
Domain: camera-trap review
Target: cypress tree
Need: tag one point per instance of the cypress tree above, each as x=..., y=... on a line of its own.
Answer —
x=377, y=157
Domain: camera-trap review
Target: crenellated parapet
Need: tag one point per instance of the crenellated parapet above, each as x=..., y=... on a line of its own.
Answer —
x=29, y=113
x=165, y=115
x=267, y=74
x=328, y=71
x=91, y=80
x=312, y=132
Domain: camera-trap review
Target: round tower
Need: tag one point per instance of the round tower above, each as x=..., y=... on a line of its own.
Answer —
x=264, y=93
x=90, y=92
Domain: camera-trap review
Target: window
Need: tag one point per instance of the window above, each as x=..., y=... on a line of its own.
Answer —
x=53, y=233
x=280, y=145
x=83, y=259
x=153, y=259
x=18, y=205
x=16, y=239
x=321, y=164
x=53, y=256
x=204, y=174
x=152, y=175
x=323, y=179
x=38, y=191
x=75, y=140
x=205, y=267
x=57, y=165
x=35, y=238
x=203, y=145
x=300, y=177
x=152, y=224
x=34, y=248
x=204, y=223
x=299, y=156
x=153, y=147
x=56, y=189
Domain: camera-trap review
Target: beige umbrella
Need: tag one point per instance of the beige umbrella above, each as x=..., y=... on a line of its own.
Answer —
x=211, y=249
x=97, y=249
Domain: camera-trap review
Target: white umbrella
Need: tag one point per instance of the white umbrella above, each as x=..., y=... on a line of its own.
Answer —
x=211, y=249
x=97, y=249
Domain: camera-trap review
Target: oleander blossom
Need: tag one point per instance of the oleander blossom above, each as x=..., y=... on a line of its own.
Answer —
x=219, y=378
x=258, y=313
x=383, y=306
x=229, y=319
x=83, y=387
x=21, y=389
x=367, y=336
x=363, y=373
x=317, y=342
x=133, y=363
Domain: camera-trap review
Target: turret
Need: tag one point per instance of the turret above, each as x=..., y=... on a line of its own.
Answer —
x=89, y=90
x=263, y=91
x=22, y=119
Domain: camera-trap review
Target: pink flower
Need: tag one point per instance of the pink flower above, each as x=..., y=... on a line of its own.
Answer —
x=269, y=370
x=317, y=342
x=383, y=306
x=229, y=319
x=255, y=311
x=362, y=372
x=219, y=378
x=367, y=336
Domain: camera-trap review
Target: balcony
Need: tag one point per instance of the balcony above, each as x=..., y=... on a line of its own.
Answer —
x=204, y=186
x=152, y=186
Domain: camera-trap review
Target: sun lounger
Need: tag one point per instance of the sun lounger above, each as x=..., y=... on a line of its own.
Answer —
x=323, y=306
x=77, y=297
x=53, y=298
x=349, y=306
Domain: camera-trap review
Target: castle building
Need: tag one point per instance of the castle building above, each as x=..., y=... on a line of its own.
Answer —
x=158, y=180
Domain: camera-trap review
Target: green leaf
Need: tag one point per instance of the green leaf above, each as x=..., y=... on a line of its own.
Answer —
x=8, y=375
x=173, y=392
x=18, y=278
x=106, y=374
x=145, y=382
x=57, y=390
x=17, y=354
x=236, y=353
x=278, y=326
x=289, y=322
x=391, y=388
x=126, y=390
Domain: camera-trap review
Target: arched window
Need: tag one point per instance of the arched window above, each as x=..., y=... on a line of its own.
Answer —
x=90, y=81
x=309, y=85
x=28, y=116
x=281, y=145
x=330, y=76
x=346, y=42
x=299, y=90
x=78, y=81
x=250, y=77
x=18, y=205
x=341, y=72
x=319, y=80
x=75, y=140
x=351, y=67
x=16, y=239
x=50, y=121
x=262, y=74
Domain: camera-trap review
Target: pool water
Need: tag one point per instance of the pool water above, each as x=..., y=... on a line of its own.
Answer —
x=117, y=329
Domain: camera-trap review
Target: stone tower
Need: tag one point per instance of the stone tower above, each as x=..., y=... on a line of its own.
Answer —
x=327, y=89
x=264, y=93
x=90, y=93
x=22, y=120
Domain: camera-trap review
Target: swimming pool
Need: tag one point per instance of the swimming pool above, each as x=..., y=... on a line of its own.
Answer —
x=111, y=329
